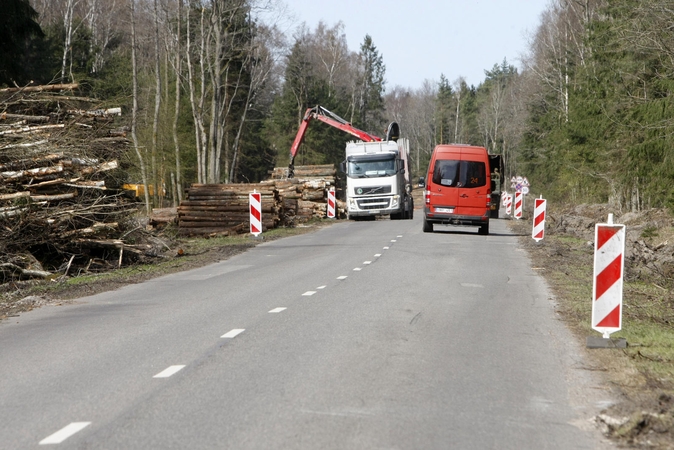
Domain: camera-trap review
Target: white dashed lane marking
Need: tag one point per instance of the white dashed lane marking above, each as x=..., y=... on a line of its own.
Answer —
x=277, y=310
x=233, y=333
x=171, y=370
x=64, y=433
x=393, y=240
x=385, y=248
x=357, y=269
x=400, y=235
x=377, y=255
x=342, y=277
x=367, y=262
x=309, y=293
x=321, y=287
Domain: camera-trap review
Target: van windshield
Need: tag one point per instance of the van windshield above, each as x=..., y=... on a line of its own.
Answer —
x=454, y=173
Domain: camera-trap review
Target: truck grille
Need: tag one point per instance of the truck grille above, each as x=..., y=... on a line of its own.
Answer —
x=374, y=203
x=372, y=190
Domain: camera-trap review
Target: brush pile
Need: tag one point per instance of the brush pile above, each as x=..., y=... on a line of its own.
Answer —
x=61, y=205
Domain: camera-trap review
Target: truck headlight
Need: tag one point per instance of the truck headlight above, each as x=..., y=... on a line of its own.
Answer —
x=395, y=201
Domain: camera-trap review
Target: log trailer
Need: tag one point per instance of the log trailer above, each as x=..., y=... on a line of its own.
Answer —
x=377, y=171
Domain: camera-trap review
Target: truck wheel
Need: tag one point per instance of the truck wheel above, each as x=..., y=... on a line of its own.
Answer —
x=428, y=226
x=484, y=229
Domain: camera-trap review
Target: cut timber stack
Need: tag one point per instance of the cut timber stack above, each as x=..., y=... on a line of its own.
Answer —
x=305, y=196
x=222, y=209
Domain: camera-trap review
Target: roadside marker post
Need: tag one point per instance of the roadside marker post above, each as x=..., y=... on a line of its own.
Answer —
x=331, y=203
x=255, y=206
x=509, y=204
x=519, y=204
x=538, y=231
x=607, y=288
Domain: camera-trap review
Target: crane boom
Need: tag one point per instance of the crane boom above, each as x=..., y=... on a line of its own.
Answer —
x=332, y=119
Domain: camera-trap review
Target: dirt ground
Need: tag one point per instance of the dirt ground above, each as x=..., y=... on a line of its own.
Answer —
x=643, y=373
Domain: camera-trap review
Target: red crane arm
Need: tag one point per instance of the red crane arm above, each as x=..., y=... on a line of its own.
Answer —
x=322, y=114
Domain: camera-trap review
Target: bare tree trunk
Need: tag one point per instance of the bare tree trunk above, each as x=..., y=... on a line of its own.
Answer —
x=157, y=106
x=134, y=111
x=68, y=27
x=178, y=180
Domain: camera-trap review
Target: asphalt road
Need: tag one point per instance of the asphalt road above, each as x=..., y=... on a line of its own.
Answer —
x=362, y=335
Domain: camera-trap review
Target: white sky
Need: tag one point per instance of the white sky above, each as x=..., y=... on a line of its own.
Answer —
x=422, y=39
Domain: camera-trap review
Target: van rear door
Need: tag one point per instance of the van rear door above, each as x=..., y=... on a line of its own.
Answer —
x=473, y=188
x=442, y=185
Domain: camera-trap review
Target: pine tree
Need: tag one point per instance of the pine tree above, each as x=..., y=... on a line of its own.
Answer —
x=372, y=88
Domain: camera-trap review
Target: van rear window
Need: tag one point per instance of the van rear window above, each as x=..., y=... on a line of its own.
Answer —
x=454, y=173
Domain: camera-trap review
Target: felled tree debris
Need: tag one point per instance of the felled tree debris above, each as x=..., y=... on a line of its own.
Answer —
x=62, y=209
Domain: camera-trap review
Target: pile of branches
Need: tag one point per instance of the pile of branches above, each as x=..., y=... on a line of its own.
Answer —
x=62, y=208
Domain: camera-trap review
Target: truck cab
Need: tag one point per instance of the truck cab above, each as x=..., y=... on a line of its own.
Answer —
x=377, y=180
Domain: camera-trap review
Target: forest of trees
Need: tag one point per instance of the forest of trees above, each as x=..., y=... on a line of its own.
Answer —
x=213, y=94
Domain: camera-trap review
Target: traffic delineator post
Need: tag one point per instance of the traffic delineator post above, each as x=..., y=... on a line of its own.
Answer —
x=509, y=204
x=255, y=206
x=607, y=288
x=519, y=204
x=331, y=203
x=538, y=231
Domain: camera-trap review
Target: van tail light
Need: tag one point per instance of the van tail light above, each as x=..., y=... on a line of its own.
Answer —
x=427, y=194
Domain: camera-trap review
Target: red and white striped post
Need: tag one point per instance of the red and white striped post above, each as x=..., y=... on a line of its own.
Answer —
x=538, y=231
x=331, y=203
x=519, y=203
x=607, y=289
x=255, y=206
x=509, y=204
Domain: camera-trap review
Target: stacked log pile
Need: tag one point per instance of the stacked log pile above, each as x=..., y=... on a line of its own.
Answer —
x=61, y=208
x=305, y=196
x=222, y=209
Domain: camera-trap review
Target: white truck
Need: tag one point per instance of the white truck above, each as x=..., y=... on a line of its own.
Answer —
x=377, y=180
x=377, y=171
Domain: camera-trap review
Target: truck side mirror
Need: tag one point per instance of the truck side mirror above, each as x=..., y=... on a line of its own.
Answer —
x=342, y=166
x=422, y=182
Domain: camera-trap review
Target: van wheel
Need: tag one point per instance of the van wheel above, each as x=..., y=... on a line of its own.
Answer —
x=484, y=229
x=428, y=226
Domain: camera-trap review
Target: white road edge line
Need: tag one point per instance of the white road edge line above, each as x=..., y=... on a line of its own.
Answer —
x=277, y=310
x=64, y=433
x=233, y=333
x=309, y=293
x=170, y=370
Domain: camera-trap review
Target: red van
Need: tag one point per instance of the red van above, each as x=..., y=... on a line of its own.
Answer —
x=458, y=187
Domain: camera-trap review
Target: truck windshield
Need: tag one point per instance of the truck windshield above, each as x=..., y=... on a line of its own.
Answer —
x=371, y=168
x=453, y=173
